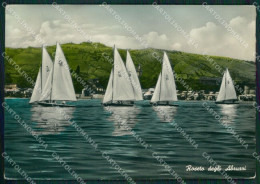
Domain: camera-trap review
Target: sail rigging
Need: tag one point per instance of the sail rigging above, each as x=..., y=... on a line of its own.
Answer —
x=37, y=91
x=109, y=92
x=165, y=90
x=156, y=94
x=59, y=84
x=42, y=76
x=119, y=87
x=133, y=77
x=227, y=90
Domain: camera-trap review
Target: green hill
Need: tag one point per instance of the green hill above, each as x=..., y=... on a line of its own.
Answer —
x=88, y=61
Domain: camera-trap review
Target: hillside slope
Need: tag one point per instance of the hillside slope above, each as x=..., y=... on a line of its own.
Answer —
x=91, y=64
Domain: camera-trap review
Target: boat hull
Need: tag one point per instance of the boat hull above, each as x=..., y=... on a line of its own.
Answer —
x=119, y=104
x=163, y=104
x=227, y=102
x=45, y=104
x=148, y=97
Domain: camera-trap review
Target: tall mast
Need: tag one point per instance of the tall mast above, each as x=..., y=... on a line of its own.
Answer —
x=113, y=74
x=172, y=69
x=161, y=82
x=41, y=68
x=130, y=78
x=53, y=70
x=225, y=84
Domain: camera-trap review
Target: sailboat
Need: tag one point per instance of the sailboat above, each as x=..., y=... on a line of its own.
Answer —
x=165, y=90
x=59, y=86
x=130, y=67
x=120, y=91
x=227, y=92
x=42, y=76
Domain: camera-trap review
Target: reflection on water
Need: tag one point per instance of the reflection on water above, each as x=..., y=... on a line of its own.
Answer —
x=50, y=120
x=228, y=112
x=107, y=131
x=124, y=119
x=165, y=113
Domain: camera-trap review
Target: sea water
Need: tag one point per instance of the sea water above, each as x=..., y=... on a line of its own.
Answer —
x=136, y=138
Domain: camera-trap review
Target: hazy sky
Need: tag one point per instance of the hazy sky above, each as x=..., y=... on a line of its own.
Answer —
x=213, y=38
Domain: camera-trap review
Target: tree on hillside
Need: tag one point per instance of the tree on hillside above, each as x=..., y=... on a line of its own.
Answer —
x=77, y=69
x=8, y=78
x=23, y=83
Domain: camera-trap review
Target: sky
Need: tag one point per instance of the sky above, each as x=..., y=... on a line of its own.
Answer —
x=96, y=21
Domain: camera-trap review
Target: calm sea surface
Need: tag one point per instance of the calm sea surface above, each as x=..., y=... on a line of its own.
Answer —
x=120, y=145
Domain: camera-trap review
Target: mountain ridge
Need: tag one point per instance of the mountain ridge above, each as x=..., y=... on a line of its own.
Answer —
x=89, y=62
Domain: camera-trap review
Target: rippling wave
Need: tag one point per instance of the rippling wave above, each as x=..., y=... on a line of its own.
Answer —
x=111, y=129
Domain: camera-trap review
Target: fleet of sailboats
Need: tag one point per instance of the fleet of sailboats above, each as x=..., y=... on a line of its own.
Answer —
x=54, y=85
x=58, y=87
x=227, y=93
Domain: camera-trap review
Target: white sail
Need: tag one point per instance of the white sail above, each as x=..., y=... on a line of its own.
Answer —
x=62, y=86
x=133, y=77
x=47, y=65
x=222, y=93
x=230, y=89
x=37, y=91
x=46, y=91
x=165, y=89
x=109, y=90
x=227, y=90
x=156, y=94
x=168, y=87
x=42, y=77
x=122, y=87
